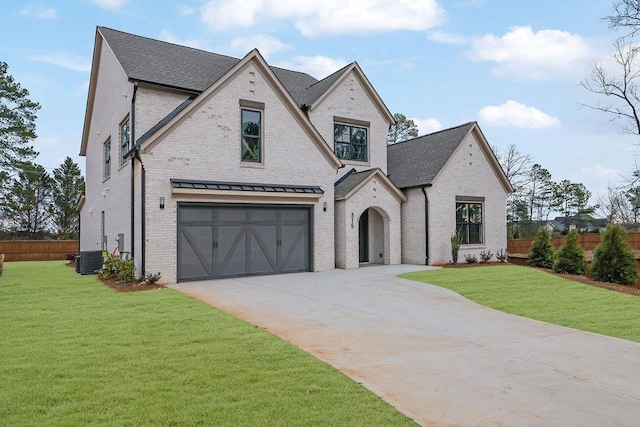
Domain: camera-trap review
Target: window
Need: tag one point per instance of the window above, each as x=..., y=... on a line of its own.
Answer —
x=251, y=128
x=107, y=159
x=469, y=222
x=350, y=142
x=124, y=140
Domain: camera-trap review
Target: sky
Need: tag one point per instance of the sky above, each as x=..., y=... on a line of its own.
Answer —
x=512, y=66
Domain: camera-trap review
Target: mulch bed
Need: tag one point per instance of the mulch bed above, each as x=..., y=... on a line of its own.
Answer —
x=631, y=290
x=125, y=287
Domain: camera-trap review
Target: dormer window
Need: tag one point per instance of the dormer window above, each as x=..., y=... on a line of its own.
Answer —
x=350, y=139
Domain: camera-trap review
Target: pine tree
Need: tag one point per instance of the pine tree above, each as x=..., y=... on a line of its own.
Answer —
x=570, y=258
x=541, y=254
x=67, y=189
x=613, y=259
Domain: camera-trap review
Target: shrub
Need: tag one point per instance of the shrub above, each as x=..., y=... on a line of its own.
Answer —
x=570, y=258
x=541, y=254
x=470, y=259
x=456, y=241
x=151, y=278
x=613, y=259
x=485, y=256
x=122, y=270
x=502, y=256
x=71, y=257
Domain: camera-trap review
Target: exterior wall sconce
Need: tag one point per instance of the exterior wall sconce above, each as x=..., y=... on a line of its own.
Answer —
x=161, y=202
x=324, y=206
x=352, y=226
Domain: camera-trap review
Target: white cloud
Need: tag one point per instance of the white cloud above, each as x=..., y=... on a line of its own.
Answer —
x=602, y=173
x=447, y=38
x=265, y=43
x=168, y=36
x=39, y=11
x=426, y=126
x=186, y=10
x=317, y=66
x=329, y=17
x=525, y=54
x=516, y=115
x=110, y=4
x=64, y=60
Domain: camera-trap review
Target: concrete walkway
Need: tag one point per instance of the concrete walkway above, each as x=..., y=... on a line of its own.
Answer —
x=436, y=356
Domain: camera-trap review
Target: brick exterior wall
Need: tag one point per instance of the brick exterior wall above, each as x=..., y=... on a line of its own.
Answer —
x=413, y=227
x=206, y=146
x=468, y=173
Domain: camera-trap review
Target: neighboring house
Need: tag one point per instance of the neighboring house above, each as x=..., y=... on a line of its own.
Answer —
x=209, y=166
x=580, y=222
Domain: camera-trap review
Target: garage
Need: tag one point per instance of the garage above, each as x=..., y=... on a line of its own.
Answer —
x=218, y=241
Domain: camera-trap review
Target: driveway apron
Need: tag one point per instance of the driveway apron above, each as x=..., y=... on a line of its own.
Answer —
x=436, y=356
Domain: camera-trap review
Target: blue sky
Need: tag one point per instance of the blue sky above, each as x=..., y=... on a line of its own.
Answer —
x=514, y=66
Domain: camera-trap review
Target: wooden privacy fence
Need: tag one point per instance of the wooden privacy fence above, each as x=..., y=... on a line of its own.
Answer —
x=38, y=250
x=588, y=241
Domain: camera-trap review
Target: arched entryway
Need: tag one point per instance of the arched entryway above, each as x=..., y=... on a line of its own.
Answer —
x=373, y=237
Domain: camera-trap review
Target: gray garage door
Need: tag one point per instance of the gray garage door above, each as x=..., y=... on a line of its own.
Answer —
x=225, y=241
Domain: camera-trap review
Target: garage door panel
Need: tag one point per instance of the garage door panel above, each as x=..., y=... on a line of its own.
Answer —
x=217, y=241
x=195, y=249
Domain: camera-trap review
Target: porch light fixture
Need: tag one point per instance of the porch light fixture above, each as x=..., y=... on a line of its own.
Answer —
x=324, y=206
x=161, y=202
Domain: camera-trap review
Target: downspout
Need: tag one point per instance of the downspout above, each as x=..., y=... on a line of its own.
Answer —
x=426, y=224
x=142, y=212
x=132, y=128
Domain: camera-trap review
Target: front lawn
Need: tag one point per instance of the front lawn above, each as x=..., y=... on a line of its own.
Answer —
x=532, y=293
x=74, y=352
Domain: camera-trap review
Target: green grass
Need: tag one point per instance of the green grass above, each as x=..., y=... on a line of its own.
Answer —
x=74, y=352
x=532, y=293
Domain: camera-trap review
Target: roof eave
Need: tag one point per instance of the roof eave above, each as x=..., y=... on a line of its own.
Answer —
x=97, y=51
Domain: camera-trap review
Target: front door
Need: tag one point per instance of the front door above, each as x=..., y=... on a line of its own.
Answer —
x=363, y=226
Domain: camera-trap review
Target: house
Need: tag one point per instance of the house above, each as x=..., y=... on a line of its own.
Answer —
x=203, y=166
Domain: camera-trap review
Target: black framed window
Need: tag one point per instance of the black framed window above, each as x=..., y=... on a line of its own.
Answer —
x=350, y=142
x=124, y=141
x=469, y=222
x=107, y=159
x=251, y=129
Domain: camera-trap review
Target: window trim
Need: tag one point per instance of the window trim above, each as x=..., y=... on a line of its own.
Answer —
x=122, y=160
x=106, y=159
x=353, y=123
x=257, y=107
x=471, y=200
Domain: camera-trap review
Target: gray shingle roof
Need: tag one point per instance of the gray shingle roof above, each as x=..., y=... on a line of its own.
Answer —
x=244, y=186
x=154, y=61
x=315, y=90
x=350, y=181
x=417, y=161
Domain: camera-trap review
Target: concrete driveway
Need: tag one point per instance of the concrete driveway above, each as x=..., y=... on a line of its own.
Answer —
x=436, y=356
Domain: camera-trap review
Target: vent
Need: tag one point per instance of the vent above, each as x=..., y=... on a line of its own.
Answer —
x=90, y=262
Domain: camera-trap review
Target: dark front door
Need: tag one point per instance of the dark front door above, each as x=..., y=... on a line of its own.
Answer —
x=363, y=233
x=226, y=241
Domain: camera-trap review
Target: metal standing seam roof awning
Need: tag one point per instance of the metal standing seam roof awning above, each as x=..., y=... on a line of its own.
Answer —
x=244, y=189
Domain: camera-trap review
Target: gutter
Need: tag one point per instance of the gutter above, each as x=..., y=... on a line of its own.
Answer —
x=426, y=224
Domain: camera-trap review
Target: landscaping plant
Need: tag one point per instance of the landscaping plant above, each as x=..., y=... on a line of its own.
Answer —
x=570, y=258
x=456, y=241
x=122, y=270
x=470, y=259
x=541, y=254
x=502, y=256
x=613, y=259
x=485, y=256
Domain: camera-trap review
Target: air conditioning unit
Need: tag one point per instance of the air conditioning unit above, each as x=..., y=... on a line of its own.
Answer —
x=90, y=262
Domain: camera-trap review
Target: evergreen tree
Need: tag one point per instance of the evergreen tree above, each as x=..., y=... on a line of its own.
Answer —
x=613, y=259
x=68, y=186
x=17, y=122
x=541, y=254
x=570, y=258
x=402, y=130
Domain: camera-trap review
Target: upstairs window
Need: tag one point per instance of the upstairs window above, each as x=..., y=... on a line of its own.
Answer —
x=251, y=129
x=107, y=159
x=350, y=142
x=124, y=140
x=469, y=222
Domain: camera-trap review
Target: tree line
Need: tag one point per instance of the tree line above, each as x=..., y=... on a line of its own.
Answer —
x=33, y=203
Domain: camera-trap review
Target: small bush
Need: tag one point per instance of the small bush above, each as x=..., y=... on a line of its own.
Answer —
x=456, y=241
x=570, y=258
x=502, y=256
x=541, y=254
x=151, y=278
x=71, y=257
x=470, y=259
x=485, y=256
x=613, y=259
x=114, y=267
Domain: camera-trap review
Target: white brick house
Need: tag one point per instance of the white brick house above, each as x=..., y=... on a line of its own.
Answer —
x=211, y=166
